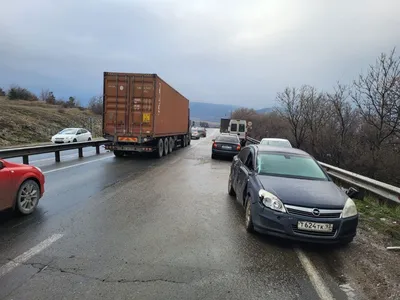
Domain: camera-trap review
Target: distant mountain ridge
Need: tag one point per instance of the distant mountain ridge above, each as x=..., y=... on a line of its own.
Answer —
x=214, y=112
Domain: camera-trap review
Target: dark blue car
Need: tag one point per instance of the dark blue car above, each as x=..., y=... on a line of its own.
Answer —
x=286, y=193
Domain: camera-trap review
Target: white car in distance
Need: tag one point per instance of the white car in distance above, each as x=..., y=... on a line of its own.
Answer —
x=275, y=142
x=71, y=135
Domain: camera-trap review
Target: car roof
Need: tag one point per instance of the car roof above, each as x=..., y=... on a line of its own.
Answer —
x=267, y=148
x=274, y=139
x=228, y=134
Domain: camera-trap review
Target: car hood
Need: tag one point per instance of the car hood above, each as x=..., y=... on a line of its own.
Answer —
x=17, y=165
x=307, y=193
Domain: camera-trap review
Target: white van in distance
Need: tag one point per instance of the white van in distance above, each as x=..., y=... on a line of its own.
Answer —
x=238, y=127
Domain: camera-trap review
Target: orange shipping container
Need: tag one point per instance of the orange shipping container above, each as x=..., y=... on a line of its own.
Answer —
x=140, y=106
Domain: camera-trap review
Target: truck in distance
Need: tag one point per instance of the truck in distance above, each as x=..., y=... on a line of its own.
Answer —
x=224, y=125
x=142, y=113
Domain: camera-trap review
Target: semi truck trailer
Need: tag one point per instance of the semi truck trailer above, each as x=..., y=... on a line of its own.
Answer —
x=143, y=113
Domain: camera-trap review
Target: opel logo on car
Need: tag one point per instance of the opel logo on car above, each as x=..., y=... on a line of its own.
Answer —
x=316, y=212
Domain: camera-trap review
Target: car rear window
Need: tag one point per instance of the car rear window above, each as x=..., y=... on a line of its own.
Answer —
x=289, y=165
x=242, y=128
x=275, y=143
x=233, y=127
x=227, y=138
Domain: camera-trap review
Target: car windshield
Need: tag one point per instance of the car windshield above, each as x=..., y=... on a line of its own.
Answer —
x=227, y=138
x=289, y=165
x=68, y=131
x=276, y=143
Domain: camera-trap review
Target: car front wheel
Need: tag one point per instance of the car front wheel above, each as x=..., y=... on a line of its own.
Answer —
x=231, y=191
x=248, y=219
x=28, y=197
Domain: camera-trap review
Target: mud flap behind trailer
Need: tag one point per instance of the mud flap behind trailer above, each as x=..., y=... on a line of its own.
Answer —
x=160, y=146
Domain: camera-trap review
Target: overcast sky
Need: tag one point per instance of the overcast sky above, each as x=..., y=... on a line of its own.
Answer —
x=225, y=51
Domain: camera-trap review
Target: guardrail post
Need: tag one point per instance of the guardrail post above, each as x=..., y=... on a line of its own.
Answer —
x=25, y=159
x=80, y=151
x=97, y=149
x=57, y=155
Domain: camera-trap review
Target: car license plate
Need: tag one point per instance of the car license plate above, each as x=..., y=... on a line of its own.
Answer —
x=226, y=147
x=311, y=226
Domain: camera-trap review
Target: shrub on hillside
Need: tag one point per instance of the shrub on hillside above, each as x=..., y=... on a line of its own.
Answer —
x=47, y=96
x=19, y=93
x=2, y=92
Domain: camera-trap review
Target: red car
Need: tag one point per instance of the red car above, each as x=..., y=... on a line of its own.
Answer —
x=21, y=187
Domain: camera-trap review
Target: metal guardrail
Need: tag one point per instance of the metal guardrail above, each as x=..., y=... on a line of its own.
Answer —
x=252, y=141
x=381, y=189
x=25, y=152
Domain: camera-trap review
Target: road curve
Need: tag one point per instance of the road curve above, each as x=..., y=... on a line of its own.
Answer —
x=142, y=228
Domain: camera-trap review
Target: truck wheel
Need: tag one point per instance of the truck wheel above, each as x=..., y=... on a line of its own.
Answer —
x=182, y=141
x=166, y=146
x=171, y=144
x=189, y=139
x=185, y=138
x=118, y=153
x=160, y=148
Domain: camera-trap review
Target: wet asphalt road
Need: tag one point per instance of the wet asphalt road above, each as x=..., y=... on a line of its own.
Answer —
x=142, y=228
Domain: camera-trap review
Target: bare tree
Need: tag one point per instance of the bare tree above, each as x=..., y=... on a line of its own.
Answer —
x=44, y=95
x=316, y=115
x=343, y=119
x=96, y=105
x=294, y=111
x=376, y=95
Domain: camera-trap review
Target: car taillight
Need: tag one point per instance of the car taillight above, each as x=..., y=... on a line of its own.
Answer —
x=238, y=148
x=215, y=145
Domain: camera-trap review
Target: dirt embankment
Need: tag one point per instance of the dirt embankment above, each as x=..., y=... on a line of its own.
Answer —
x=27, y=122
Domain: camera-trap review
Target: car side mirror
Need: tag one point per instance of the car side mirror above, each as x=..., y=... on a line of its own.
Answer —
x=352, y=192
x=1, y=165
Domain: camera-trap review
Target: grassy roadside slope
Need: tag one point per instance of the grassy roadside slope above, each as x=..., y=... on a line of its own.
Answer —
x=27, y=122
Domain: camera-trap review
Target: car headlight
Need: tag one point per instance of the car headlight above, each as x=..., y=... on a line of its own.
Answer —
x=271, y=201
x=350, y=209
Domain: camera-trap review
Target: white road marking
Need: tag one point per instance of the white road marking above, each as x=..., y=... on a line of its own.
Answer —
x=348, y=290
x=77, y=165
x=316, y=280
x=28, y=254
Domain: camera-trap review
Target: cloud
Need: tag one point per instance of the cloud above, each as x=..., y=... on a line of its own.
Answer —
x=211, y=51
